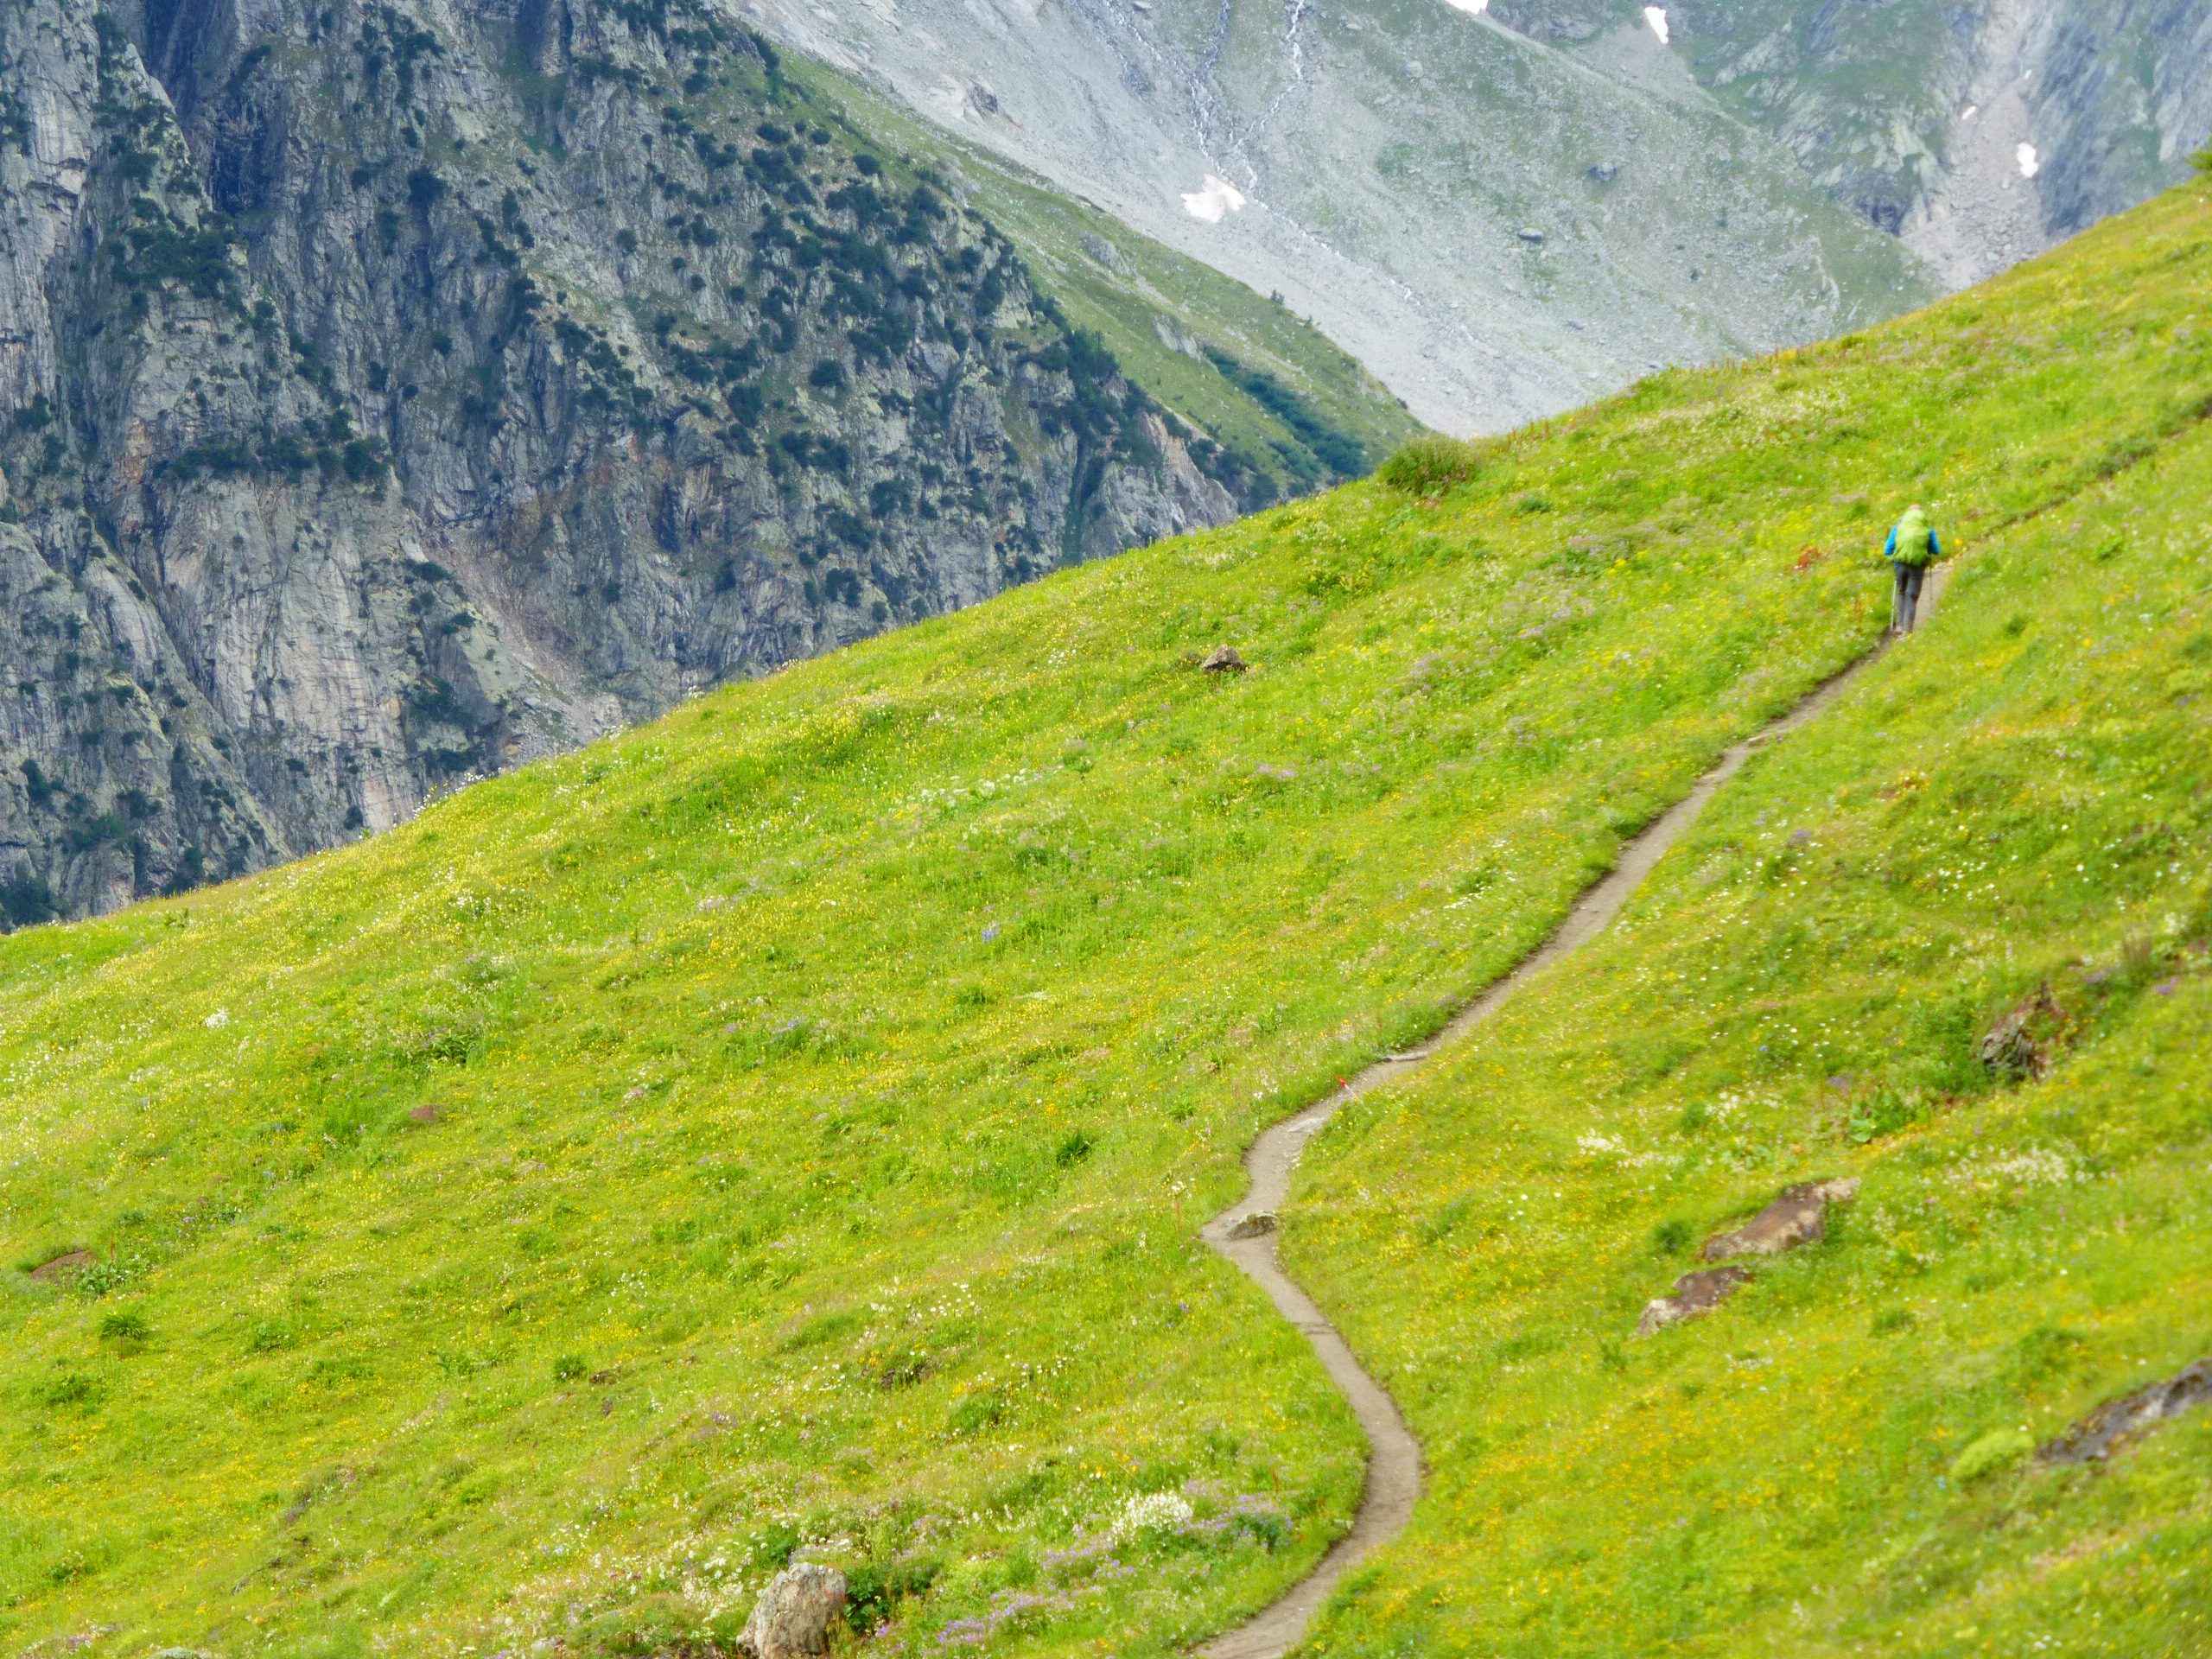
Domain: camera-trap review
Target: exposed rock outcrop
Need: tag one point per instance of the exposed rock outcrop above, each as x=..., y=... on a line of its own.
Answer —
x=2020, y=1044
x=1799, y=1216
x=1499, y=226
x=1695, y=1293
x=795, y=1613
x=2099, y=1433
x=391, y=394
x=2004, y=127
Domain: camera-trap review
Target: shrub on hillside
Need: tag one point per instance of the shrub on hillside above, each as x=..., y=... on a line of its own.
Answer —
x=1998, y=1450
x=1433, y=464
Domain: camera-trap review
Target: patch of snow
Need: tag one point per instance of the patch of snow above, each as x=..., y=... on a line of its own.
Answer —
x=2030, y=163
x=1972, y=111
x=1657, y=16
x=1214, y=201
x=1473, y=8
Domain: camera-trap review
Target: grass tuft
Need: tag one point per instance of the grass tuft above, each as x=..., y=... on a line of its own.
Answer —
x=1432, y=464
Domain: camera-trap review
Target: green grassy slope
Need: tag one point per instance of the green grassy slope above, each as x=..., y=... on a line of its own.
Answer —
x=787, y=1124
x=2019, y=799
x=1260, y=380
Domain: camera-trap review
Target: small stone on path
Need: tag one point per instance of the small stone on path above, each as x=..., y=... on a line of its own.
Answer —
x=1258, y=1225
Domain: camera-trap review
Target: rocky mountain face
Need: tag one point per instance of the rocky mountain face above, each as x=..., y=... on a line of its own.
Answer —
x=1499, y=222
x=1504, y=206
x=391, y=393
x=1980, y=132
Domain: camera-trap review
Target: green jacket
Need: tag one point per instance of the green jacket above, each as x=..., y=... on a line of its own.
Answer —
x=1913, y=542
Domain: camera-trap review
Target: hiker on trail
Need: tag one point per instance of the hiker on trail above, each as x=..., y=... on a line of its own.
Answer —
x=1912, y=549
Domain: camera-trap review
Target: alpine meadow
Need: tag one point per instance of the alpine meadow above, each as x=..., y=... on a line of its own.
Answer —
x=781, y=1131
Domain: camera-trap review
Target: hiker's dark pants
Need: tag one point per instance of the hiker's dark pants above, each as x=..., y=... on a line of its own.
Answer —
x=1909, y=576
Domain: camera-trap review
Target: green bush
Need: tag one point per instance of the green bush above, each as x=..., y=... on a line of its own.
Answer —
x=25, y=901
x=874, y=1592
x=1433, y=464
x=72, y=1389
x=1997, y=1450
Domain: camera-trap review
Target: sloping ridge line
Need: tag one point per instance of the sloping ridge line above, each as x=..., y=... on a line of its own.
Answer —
x=1394, y=1465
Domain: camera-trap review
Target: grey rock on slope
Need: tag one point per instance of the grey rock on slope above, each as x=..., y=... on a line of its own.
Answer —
x=393, y=393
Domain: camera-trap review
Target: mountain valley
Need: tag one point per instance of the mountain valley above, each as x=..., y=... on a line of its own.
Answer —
x=386, y=405
x=777, y=1133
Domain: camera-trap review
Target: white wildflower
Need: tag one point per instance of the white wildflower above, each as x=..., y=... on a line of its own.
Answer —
x=1151, y=1512
x=2035, y=1167
x=1609, y=1146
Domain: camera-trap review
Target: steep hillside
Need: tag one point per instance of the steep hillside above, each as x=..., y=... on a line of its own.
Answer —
x=2006, y=828
x=391, y=395
x=782, y=1129
x=1239, y=366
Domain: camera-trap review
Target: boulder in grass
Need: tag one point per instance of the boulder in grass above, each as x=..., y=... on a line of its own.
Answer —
x=1694, y=1293
x=1799, y=1216
x=795, y=1612
x=2020, y=1045
x=1223, y=659
x=64, y=1269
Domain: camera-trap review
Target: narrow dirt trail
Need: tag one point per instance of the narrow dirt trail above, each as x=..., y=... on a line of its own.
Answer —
x=1394, y=1467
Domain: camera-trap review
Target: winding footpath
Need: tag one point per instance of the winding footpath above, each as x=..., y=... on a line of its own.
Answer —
x=1245, y=1232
